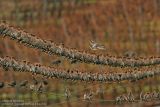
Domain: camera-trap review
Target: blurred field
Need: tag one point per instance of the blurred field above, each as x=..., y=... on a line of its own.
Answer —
x=121, y=25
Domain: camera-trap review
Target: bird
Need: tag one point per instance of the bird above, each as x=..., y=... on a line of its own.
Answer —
x=85, y=96
x=130, y=97
x=130, y=54
x=32, y=87
x=35, y=82
x=1, y=84
x=100, y=90
x=88, y=96
x=45, y=82
x=74, y=61
x=96, y=46
x=56, y=62
x=67, y=93
x=40, y=88
x=12, y=84
x=23, y=83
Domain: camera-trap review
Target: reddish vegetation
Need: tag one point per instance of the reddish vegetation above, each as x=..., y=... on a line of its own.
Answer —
x=121, y=25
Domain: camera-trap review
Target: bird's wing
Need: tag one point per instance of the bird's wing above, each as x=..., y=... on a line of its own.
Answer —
x=101, y=47
x=90, y=42
x=93, y=42
x=92, y=48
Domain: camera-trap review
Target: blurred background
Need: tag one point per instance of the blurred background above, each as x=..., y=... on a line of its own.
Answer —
x=122, y=26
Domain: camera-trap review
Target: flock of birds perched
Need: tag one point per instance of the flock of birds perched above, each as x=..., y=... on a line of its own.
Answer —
x=36, y=85
x=89, y=95
x=148, y=96
x=95, y=47
x=40, y=85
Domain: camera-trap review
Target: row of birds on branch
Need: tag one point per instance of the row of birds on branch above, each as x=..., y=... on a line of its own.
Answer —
x=88, y=95
x=58, y=61
x=14, y=84
x=35, y=86
x=95, y=47
x=67, y=93
x=130, y=97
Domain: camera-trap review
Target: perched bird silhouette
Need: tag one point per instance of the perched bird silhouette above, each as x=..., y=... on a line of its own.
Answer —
x=12, y=84
x=56, y=62
x=67, y=93
x=130, y=54
x=1, y=84
x=40, y=88
x=74, y=61
x=85, y=96
x=45, y=82
x=23, y=83
x=32, y=87
x=96, y=46
x=88, y=96
x=35, y=81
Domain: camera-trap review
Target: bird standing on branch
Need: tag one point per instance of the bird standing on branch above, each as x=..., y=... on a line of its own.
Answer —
x=56, y=62
x=130, y=54
x=12, y=84
x=96, y=46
